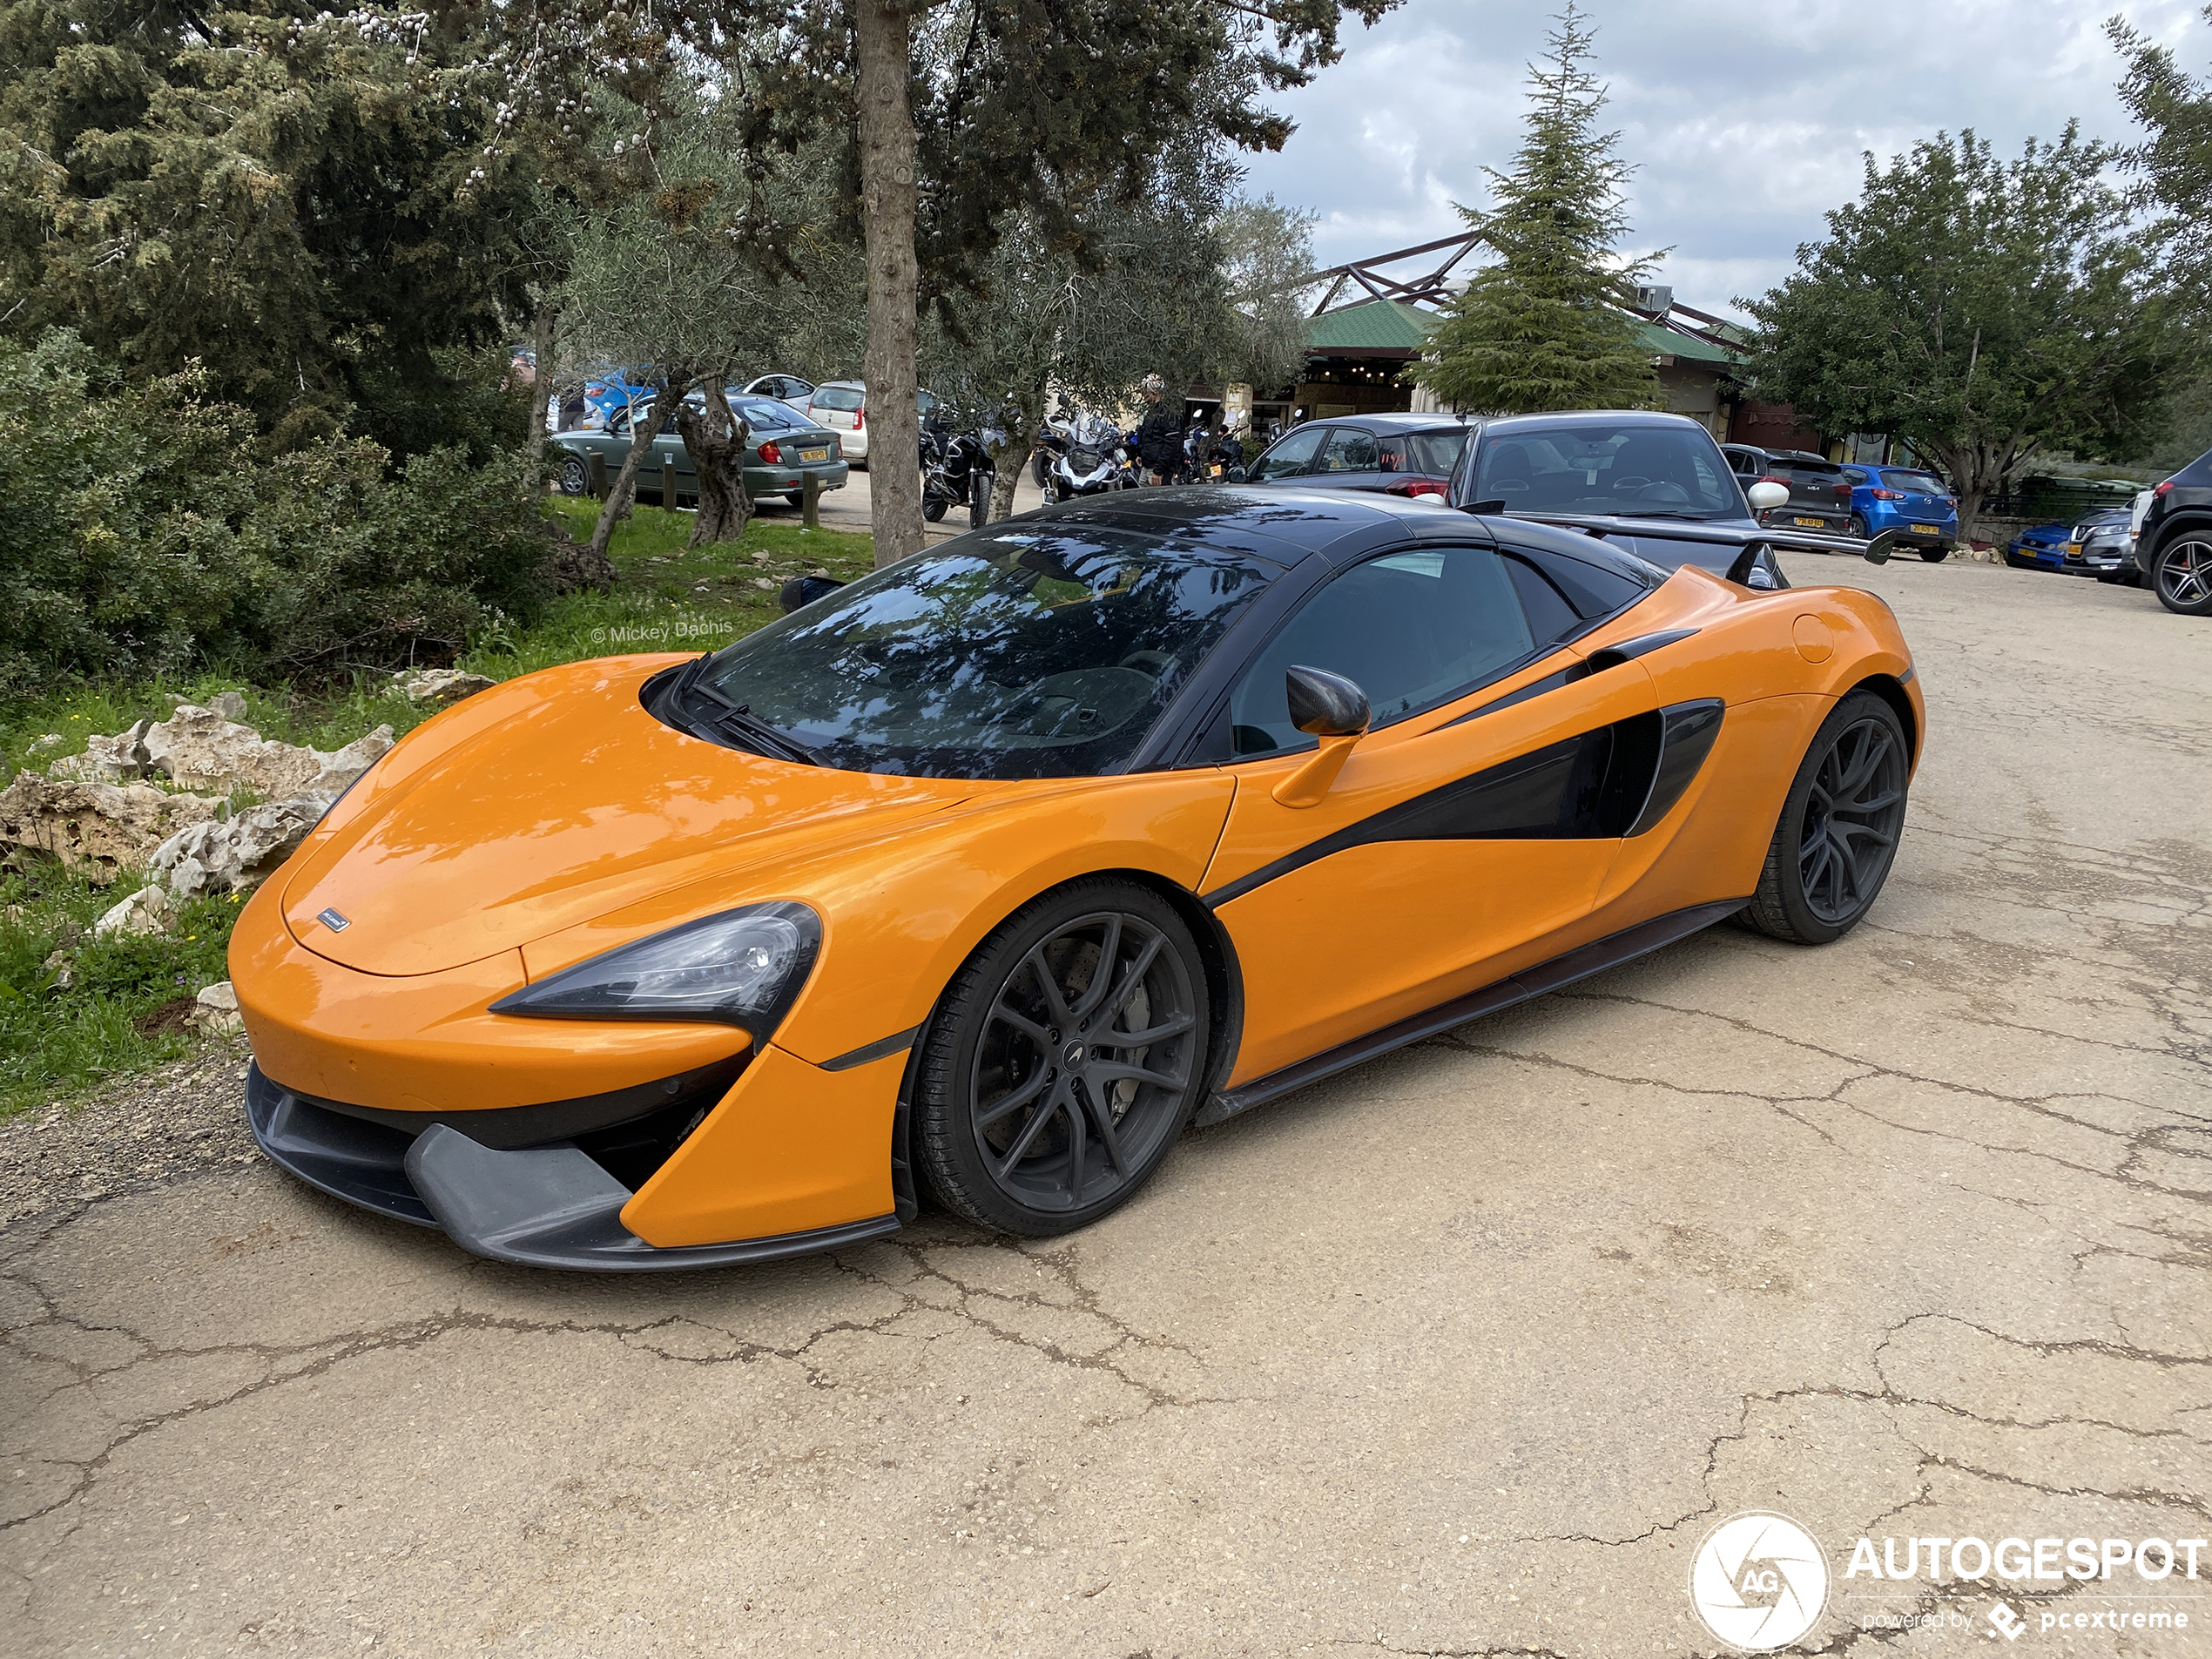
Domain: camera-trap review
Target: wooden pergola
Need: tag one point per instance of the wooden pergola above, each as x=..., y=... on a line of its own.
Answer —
x=1427, y=288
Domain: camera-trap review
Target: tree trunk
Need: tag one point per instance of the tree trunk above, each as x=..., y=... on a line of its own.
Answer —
x=1021, y=414
x=542, y=383
x=717, y=441
x=615, y=507
x=883, y=37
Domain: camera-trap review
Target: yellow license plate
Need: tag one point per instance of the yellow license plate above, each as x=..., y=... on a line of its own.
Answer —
x=813, y=454
x=1812, y=524
x=1926, y=529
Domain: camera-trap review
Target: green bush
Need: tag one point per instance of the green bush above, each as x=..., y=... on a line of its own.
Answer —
x=141, y=535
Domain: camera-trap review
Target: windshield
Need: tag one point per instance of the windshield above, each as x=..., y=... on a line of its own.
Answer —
x=1633, y=470
x=1021, y=651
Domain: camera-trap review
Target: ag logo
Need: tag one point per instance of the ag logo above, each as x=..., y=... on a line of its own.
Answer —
x=1758, y=1581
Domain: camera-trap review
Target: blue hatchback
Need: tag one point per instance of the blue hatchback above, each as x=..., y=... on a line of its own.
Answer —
x=2040, y=547
x=1913, y=503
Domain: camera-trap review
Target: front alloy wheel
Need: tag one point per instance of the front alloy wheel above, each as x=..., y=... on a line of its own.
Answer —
x=2183, y=578
x=1837, y=837
x=1065, y=1060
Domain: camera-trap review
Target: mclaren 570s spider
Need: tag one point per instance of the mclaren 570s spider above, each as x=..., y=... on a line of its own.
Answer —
x=989, y=873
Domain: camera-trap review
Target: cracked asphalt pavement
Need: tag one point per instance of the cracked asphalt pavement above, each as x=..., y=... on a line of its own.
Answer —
x=1460, y=1352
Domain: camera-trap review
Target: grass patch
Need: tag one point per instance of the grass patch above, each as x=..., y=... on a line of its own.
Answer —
x=123, y=1011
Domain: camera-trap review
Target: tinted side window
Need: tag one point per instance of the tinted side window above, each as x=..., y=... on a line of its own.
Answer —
x=1350, y=450
x=1291, y=454
x=1413, y=629
x=1549, y=614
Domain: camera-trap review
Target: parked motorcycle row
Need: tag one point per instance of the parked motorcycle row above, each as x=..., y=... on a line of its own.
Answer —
x=1074, y=455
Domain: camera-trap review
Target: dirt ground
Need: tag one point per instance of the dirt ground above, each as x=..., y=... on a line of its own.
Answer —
x=1464, y=1352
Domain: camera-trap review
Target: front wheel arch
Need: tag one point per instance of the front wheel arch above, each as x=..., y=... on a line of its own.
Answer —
x=1225, y=1007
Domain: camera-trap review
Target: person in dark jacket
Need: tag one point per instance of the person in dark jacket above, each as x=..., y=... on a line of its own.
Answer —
x=1159, y=435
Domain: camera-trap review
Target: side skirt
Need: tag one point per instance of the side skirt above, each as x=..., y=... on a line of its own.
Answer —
x=1562, y=970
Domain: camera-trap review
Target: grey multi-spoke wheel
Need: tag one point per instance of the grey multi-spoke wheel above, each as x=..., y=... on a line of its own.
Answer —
x=2182, y=576
x=575, y=477
x=1065, y=1060
x=1838, y=837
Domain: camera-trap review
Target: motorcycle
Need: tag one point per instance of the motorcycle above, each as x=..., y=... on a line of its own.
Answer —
x=955, y=467
x=1094, y=460
x=1212, y=457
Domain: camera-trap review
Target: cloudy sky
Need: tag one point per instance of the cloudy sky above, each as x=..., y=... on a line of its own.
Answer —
x=1745, y=117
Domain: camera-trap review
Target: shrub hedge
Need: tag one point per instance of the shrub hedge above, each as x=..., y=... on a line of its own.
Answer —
x=142, y=533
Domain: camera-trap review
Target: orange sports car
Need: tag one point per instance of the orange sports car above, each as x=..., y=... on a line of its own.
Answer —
x=985, y=873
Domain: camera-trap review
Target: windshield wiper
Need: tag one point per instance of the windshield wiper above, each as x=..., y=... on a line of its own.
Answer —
x=739, y=718
x=1669, y=512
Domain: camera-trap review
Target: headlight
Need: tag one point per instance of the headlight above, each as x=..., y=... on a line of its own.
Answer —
x=743, y=967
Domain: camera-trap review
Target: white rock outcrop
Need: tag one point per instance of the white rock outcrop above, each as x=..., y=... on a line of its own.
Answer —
x=216, y=1008
x=96, y=828
x=439, y=686
x=147, y=910
x=232, y=855
x=197, y=748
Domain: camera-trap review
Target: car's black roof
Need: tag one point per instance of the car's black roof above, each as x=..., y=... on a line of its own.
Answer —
x=1285, y=526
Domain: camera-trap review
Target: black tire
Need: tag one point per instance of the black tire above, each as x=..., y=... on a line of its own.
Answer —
x=1858, y=528
x=1826, y=864
x=1023, y=1021
x=979, y=499
x=933, y=507
x=2182, y=574
x=1935, y=555
x=575, y=477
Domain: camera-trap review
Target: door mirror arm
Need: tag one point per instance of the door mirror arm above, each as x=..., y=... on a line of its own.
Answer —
x=1333, y=709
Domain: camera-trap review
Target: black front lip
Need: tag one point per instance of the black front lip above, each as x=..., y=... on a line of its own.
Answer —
x=547, y=1205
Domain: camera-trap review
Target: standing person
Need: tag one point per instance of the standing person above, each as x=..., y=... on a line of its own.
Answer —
x=1159, y=435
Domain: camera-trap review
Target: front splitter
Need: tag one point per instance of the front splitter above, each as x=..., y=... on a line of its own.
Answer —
x=543, y=1206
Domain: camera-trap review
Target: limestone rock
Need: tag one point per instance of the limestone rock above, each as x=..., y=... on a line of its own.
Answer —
x=62, y=968
x=339, y=767
x=200, y=748
x=439, y=686
x=147, y=910
x=96, y=827
x=215, y=1009
x=107, y=760
x=230, y=704
x=237, y=852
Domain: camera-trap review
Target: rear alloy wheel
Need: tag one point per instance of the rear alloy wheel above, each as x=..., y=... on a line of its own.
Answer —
x=1065, y=1060
x=1858, y=528
x=2182, y=576
x=575, y=477
x=1840, y=822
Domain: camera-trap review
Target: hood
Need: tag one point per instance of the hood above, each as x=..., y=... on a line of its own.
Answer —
x=561, y=800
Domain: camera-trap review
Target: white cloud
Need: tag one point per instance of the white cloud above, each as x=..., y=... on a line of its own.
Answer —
x=1745, y=119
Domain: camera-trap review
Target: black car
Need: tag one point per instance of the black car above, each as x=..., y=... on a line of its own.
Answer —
x=1655, y=485
x=1819, y=491
x=2173, y=545
x=1399, y=454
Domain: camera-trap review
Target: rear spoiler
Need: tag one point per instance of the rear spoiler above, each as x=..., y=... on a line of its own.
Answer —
x=1876, y=551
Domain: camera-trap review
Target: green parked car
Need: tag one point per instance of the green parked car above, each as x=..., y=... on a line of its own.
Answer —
x=787, y=446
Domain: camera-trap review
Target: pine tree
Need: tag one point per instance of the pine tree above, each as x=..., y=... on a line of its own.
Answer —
x=1543, y=327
